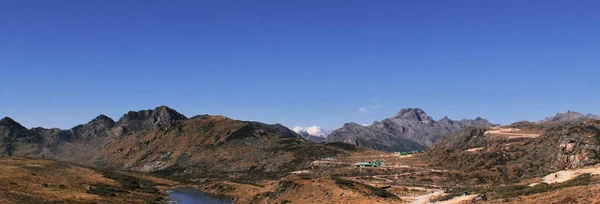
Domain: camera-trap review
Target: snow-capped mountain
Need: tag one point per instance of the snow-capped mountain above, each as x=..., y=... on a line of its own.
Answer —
x=314, y=131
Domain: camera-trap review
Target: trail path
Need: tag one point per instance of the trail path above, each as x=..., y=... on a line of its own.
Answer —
x=426, y=198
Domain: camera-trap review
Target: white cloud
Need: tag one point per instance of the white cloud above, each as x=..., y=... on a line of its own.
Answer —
x=374, y=105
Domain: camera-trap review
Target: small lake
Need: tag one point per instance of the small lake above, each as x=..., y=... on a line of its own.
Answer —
x=193, y=196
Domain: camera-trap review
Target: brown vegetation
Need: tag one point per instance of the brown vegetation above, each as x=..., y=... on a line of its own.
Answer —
x=42, y=181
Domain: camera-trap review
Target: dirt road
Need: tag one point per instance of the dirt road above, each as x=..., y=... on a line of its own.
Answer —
x=566, y=175
x=422, y=199
x=510, y=133
x=458, y=199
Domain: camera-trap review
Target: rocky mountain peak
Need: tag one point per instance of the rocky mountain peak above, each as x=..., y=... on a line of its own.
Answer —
x=164, y=114
x=10, y=130
x=445, y=118
x=159, y=115
x=479, y=121
x=103, y=119
x=413, y=114
x=136, y=121
x=352, y=125
x=96, y=128
x=409, y=129
x=10, y=123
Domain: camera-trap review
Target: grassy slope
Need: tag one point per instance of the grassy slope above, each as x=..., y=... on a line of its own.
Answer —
x=43, y=181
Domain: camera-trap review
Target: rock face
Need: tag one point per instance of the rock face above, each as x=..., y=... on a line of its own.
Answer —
x=98, y=127
x=570, y=116
x=11, y=130
x=160, y=117
x=577, y=144
x=14, y=135
x=165, y=141
x=409, y=129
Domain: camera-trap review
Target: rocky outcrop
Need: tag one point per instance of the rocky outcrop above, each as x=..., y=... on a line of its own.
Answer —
x=138, y=121
x=98, y=127
x=572, y=145
x=13, y=134
x=409, y=129
x=10, y=129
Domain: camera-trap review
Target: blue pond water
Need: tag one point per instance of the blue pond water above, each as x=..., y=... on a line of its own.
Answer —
x=193, y=196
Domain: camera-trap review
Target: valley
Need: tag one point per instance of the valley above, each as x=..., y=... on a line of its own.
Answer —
x=299, y=102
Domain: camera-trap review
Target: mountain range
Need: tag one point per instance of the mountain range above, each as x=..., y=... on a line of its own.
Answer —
x=164, y=141
x=263, y=163
x=409, y=129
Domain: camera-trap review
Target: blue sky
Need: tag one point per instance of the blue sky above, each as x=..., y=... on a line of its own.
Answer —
x=298, y=62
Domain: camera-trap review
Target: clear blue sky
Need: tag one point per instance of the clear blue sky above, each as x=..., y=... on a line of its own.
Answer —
x=298, y=62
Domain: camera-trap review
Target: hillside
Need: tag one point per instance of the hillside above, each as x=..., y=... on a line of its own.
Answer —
x=409, y=129
x=212, y=147
x=519, y=151
x=43, y=181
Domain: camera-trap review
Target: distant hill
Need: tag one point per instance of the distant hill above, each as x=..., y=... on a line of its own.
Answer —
x=409, y=129
x=569, y=116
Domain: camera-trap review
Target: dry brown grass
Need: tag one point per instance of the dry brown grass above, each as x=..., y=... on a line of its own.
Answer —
x=578, y=194
x=43, y=181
